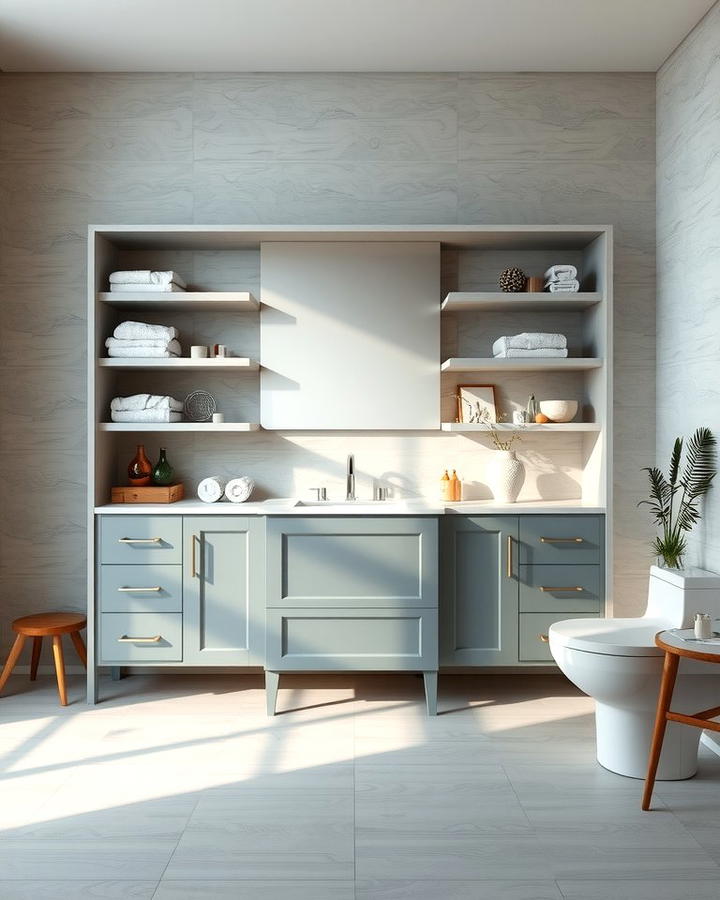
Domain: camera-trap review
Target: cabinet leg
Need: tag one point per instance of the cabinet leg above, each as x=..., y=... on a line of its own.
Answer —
x=91, y=691
x=272, y=682
x=431, y=680
x=117, y=673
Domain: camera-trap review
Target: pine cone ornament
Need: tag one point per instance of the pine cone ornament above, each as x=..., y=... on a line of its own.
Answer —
x=512, y=281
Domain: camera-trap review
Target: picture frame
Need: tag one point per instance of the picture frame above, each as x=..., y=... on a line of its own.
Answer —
x=476, y=404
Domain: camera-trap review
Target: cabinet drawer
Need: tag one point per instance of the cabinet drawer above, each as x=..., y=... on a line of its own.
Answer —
x=345, y=639
x=560, y=589
x=531, y=647
x=159, y=637
x=141, y=589
x=561, y=540
x=136, y=540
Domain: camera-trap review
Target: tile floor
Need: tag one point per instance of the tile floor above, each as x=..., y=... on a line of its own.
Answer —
x=180, y=788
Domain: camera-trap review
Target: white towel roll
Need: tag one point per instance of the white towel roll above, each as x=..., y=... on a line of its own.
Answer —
x=211, y=489
x=146, y=276
x=238, y=490
x=138, y=331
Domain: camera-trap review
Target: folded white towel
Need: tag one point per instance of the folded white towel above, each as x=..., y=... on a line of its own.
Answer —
x=211, y=489
x=561, y=273
x=520, y=354
x=145, y=401
x=146, y=276
x=138, y=331
x=145, y=415
x=146, y=289
x=562, y=287
x=238, y=490
x=530, y=340
x=138, y=342
x=145, y=351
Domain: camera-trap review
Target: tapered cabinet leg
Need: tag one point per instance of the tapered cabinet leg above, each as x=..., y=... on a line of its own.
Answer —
x=60, y=669
x=13, y=657
x=272, y=682
x=92, y=686
x=667, y=685
x=117, y=673
x=79, y=647
x=430, y=680
x=37, y=647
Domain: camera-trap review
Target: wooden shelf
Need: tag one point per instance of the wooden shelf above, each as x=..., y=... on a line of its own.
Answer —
x=521, y=364
x=230, y=301
x=214, y=427
x=464, y=301
x=237, y=363
x=506, y=426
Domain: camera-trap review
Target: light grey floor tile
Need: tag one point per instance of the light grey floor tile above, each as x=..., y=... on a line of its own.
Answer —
x=255, y=890
x=84, y=860
x=77, y=890
x=697, y=888
x=457, y=890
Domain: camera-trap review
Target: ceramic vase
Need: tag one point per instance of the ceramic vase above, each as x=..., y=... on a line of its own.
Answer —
x=140, y=468
x=162, y=473
x=507, y=475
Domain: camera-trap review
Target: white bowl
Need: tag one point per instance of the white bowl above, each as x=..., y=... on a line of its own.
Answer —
x=559, y=410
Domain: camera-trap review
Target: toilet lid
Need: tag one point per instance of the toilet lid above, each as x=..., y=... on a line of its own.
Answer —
x=613, y=637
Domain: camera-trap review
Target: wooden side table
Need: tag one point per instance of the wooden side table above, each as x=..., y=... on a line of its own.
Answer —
x=675, y=648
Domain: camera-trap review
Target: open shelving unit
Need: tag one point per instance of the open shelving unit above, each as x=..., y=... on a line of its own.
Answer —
x=241, y=363
x=550, y=428
x=491, y=301
x=521, y=364
x=179, y=301
x=171, y=427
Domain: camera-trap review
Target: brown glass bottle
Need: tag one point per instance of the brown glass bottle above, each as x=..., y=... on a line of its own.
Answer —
x=140, y=468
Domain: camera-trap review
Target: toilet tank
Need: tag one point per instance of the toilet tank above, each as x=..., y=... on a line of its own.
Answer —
x=675, y=595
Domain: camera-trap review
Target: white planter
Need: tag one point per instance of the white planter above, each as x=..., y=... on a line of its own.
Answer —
x=507, y=475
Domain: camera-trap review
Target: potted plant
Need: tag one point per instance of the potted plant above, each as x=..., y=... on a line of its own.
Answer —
x=685, y=485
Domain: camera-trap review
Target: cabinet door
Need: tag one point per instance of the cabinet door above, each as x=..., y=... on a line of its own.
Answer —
x=479, y=604
x=223, y=590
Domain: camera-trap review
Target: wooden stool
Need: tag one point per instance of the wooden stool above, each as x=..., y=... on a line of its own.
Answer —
x=674, y=648
x=46, y=625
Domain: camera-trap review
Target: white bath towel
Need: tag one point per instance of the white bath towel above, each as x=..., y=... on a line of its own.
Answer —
x=561, y=273
x=139, y=331
x=139, y=342
x=146, y=289
x=562, y=287
x=530, y=354
x=146, y=276
x=145, y=415
x=211, y=489
x=145, y=401
x=530, y=340
x=238, y=490
x=145, y=351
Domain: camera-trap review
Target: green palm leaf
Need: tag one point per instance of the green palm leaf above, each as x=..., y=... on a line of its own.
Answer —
x=700, y=465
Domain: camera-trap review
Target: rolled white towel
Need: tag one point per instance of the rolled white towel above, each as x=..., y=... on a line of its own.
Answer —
x=520, y=354
x=530, y=340
x=145, y=401
x=146, y=276
x=238, y=490
x=561, y=273
x=138, y=342
x=145, y=415
x=211, y=489
x=138, y=331
x=563, y=287
x=146, y=289
x=145, y=351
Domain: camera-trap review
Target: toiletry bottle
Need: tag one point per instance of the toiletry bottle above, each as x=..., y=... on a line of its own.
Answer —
x=140, y=468
x=703, y=626
x=162, y=473
x=445, y=487
x=455, y=486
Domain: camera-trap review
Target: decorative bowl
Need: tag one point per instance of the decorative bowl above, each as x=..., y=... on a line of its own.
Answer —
x=559, y=410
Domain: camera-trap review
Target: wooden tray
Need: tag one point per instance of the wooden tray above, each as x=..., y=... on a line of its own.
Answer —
x=150, y=494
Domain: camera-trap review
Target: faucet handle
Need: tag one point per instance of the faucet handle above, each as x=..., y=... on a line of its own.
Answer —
x=381, y=493
x=321, y=493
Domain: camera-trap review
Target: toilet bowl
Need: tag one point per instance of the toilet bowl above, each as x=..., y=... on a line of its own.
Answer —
x=616, y=662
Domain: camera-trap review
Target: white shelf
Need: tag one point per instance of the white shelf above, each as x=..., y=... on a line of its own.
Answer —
x=461, y=301
x=521, y=364
x=176, y=301
x=461, y=427
x=178, y=426
x=238, y=363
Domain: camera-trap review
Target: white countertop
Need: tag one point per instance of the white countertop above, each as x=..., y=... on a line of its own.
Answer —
x=293, y=507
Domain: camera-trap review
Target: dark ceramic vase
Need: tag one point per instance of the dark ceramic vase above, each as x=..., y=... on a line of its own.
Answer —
x=162, y=473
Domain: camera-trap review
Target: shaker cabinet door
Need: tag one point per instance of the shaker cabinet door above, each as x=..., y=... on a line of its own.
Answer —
x=224, y=597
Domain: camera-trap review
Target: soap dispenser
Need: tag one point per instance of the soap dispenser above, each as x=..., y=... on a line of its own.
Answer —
x=446, y=487
x=455, y=487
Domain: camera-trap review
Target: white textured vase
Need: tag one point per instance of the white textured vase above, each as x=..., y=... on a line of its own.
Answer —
x=507, y=475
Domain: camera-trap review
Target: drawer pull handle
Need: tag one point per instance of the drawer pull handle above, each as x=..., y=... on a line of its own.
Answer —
x=561, y=590
x=139, y=640
x=573, y=540
x=139, y=540
x=544, y=638
x=134, y=590
x=509, y=556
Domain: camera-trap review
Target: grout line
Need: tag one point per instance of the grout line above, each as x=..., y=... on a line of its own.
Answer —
x=177, y=844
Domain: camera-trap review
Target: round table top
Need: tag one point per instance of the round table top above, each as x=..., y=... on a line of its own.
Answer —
x=49, y=623
x=674, y=642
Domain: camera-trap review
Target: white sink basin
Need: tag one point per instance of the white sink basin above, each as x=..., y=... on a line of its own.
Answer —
x=354, y=504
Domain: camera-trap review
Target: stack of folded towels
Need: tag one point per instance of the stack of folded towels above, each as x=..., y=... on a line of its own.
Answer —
x=562, y=279
x=140, y=339
x=141, y=280
x=145, y=408
x=531, y=344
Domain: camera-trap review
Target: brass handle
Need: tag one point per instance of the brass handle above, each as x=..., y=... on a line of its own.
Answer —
x=509, y=556
x=139, y=540
x=544, y=638
x=193, y=567
x=139, y=640
x=561, y=590
x=133, y=590
x=574, y=540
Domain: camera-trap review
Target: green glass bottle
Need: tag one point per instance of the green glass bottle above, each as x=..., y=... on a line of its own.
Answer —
x=162, y=472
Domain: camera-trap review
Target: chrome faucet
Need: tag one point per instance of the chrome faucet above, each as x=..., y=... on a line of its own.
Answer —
x=350, y=478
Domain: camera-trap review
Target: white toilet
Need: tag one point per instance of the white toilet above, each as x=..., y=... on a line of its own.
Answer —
x=616, y=662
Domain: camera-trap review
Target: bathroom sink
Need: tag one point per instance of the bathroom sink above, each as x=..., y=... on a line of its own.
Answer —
x=355, y=505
